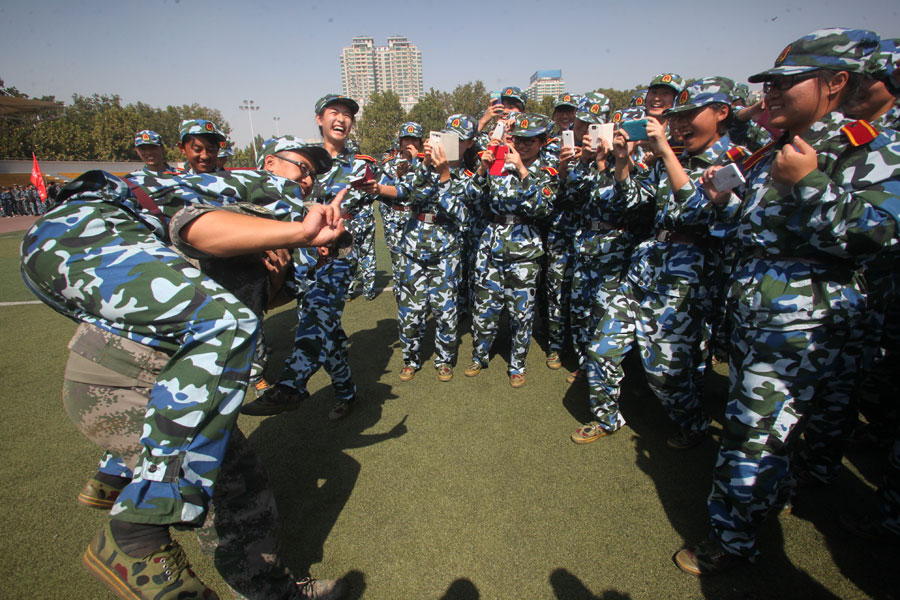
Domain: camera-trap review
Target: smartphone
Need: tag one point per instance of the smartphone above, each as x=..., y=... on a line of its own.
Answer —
x=568, y=139
x=498, y=132
x=497, y=167
x=448, y=140
x=728, y=177
x=636, y=130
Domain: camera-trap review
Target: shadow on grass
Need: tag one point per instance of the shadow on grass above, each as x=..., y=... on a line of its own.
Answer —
x=567, y=586
x=309, y=447
x=461, y=589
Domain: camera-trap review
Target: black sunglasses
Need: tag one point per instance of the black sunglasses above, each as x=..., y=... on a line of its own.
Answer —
x=304, y=170
x=785, y=82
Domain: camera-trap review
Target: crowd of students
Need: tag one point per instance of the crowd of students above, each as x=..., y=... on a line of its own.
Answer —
x=703, y=227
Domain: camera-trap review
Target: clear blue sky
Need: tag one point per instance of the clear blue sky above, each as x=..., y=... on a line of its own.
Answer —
x=286, y=54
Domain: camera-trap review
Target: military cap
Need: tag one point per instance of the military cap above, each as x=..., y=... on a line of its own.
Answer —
x=199, y=127
x=513, y=93
x=225, y=150
x=410, y=129
x=530, y=125
x=593, y=108
x=317, y=155
x=628, y=114
x=883, y=63
x=638, y=99
x=566, y=99
x=463, y=126
x=837, y=49
x=671, y=80
x=395, y=144
x=336, y=99
x=740, y=92
x=147, y=137
x=708, y=90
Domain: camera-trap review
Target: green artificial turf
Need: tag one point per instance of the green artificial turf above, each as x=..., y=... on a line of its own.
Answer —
x=460, y=490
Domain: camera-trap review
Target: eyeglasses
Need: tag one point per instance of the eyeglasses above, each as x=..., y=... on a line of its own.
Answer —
x=304, y=170
x=525, y=140
x=785, y=82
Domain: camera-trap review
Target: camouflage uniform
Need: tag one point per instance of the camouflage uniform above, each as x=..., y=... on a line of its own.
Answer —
x=430, y=244
x=362, y=221
x=106, y=391
x=506, y=266
x=320, y=339
x=660, y=306
x=150, y=137
x=170, y=306
x=796, y=289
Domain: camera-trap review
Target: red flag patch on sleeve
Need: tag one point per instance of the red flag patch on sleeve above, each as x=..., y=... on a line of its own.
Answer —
x=860, y=132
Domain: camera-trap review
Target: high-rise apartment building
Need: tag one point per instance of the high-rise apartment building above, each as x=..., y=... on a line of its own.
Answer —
x=367, y=68
x=545, y=83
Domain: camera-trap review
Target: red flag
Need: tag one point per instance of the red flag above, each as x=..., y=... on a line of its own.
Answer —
x=38, y=179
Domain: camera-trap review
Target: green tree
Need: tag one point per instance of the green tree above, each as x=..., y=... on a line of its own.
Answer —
x=544, y=107
x=469, y=99
x=430, y=111
x=244, y=157
x=380, y=121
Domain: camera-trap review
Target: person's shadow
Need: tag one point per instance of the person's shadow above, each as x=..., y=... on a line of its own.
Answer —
x=567, y=586
x=303, y=452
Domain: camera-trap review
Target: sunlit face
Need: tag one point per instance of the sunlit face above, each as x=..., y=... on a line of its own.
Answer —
x=406, y=142
x=293, y=165
x=564, y=116
x=152, y=155
x=335, y=121
x=659, y=98
x=527, y=147
x=698, y=129
x=201, y=152
x=795, y=108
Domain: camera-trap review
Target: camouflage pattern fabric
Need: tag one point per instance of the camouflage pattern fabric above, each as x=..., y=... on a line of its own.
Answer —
x=796, y=290
x=106, y=391
x=506, y=266
x=111, y=267
x=394, y=220
x=430, y=249
x=662, y=304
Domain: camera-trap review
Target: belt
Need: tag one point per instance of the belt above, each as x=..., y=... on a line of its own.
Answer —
x=511, y=220
x=665, y=235
x=400, y=208
x=429, y=218
x=605, y=226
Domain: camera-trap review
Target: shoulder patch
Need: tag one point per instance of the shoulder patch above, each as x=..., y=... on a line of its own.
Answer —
x=365, y=157
x=757, y=156
x=551, y=170
x=860, y=132
x=421, y=155
x=677, y=148
x=546, y=191
x=469, y=173
x=735, y=153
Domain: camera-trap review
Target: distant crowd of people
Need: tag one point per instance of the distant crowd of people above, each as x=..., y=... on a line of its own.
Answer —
x=19, y=200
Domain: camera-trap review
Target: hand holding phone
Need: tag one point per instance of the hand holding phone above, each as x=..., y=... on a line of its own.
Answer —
x=728, y=178
x=568, y=139
x=636, y=130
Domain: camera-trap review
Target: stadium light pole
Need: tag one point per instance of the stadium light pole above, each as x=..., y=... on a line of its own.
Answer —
x=277, y=119
x=249, y=106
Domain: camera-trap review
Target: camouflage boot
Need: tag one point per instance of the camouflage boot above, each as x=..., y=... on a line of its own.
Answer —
x=162, y=575
x=99, y=494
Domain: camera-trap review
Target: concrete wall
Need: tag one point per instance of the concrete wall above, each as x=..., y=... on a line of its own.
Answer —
x=18, y=172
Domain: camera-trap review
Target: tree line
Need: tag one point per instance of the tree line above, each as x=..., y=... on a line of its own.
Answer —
x=100, y=127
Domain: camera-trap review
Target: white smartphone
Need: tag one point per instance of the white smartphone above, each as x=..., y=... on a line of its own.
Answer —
x=498, y=132
x=568, y=139
x=448, y=140
x=728, y=177
x=602, y=131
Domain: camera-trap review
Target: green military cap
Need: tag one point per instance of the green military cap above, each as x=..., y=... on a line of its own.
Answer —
x=566, y=99
x=317, y=155
x=741, y=92
x=199, y=127
x=638, y=99
x=629, y=113
x=225, y=150
x=837, y=49
x=410, y=129
x=593, y=108
x=336, y=99
x=147, y=137
x=883, y=63
x=672, y=80
x=513, y=93
x=709, y=90
x=462, y=125
x=530, y=125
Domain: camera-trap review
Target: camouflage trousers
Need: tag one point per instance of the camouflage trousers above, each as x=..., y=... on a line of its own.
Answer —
x=393, y=222
x=668, y=331
x=320, y=339
x=560, y=262
x=496, y=285
x=94, y=262
x=424, y=286
x=595, y=279
x=362, y=226
x=773, y=378
x=107, y=400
